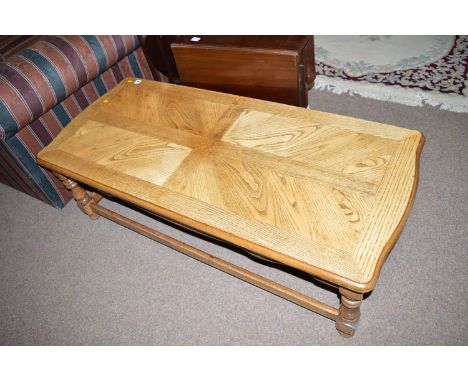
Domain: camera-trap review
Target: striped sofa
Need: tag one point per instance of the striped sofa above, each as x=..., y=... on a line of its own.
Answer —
x=46, y=81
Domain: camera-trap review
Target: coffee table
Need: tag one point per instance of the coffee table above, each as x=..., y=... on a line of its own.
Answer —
x=319, y=192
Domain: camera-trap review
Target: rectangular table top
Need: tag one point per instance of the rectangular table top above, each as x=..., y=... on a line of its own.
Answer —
x=320, y=192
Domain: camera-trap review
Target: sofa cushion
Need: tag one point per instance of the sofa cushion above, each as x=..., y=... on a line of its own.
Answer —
x=9, y=45
x=18, y=153
x=37, y=78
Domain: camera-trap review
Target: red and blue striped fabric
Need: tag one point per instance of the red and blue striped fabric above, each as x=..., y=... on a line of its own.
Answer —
x=43, y=87
x=9, y=45
x=35, y=79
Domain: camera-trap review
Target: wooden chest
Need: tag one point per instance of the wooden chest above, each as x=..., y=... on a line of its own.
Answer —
x=274, y=68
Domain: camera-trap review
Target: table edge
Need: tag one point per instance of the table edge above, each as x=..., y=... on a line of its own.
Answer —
x=370, y=285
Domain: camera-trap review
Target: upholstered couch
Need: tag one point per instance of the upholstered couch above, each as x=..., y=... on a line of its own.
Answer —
x=45, y=82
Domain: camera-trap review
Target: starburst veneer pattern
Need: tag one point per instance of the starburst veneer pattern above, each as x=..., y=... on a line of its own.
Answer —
x=319, y=192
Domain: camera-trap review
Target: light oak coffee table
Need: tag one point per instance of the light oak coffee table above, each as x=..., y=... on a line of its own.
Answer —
x=318, y=192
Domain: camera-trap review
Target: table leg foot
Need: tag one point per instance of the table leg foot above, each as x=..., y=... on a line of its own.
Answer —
x=349, y=312
x=82, y=198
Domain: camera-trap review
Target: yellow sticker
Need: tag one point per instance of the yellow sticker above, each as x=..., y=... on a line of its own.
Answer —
x=130, y=81
x=106, y=101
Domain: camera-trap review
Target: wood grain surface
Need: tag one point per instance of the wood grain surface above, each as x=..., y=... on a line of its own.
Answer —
x=323, y=193
x=274, y=68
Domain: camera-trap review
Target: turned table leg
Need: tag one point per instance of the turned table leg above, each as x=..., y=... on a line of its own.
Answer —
x=82, y=198
x=349, y=312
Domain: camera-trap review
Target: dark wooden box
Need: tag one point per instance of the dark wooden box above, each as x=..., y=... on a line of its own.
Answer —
x=274, y=68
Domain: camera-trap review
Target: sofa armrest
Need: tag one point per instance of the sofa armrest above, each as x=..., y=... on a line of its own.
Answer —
x=41, y=76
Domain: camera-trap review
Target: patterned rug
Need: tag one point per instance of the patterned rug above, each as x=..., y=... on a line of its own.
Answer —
x=412, y=70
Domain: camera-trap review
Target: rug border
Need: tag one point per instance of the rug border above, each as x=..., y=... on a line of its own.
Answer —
x=395, y=93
